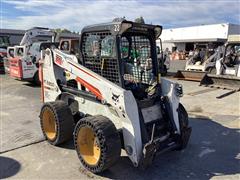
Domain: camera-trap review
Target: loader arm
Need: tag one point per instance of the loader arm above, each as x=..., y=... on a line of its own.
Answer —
x=103, y=89
x=27, y=39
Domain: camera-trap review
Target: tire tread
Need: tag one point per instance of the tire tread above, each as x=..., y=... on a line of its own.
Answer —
x=109, y=140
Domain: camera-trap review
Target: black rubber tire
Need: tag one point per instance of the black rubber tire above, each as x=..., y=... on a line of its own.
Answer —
x=183, y=123
x=183, y=117
x=109, y=141
x=64, y=121
x=36, y=80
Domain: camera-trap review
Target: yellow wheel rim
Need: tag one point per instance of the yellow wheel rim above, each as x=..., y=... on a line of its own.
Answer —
x=88, y=146
x=49, y=124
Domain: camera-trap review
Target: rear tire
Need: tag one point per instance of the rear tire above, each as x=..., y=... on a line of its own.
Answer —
x=36, y=80
x=97, y=143
x=57, y=122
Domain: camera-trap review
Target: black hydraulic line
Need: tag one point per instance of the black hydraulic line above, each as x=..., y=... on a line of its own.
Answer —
x=80, y=93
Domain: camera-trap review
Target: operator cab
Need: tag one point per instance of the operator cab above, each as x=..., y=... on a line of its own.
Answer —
x=69, y=46
x=124, y=53
x=232, y=55
x=37, y=47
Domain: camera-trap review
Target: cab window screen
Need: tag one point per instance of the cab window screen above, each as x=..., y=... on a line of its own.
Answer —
x=92, y=45
x=99, y=54
x=107, y=47
x=136, y=56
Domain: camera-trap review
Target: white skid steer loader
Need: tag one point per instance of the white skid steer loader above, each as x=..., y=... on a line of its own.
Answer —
x=24, y=66
x=195, y=71
x=113, y=98
x=227, y=74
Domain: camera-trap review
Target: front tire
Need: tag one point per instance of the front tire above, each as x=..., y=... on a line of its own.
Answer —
x=57, y=122
x=185, y=130
x=183, y=117
x=97, y=143
x=36, y=80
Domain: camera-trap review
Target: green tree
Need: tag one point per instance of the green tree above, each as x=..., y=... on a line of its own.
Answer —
x=119, y=19
x=140, y=20
x=59, y=30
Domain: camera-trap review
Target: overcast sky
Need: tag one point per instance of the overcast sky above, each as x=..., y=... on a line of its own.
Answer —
x=74, y=14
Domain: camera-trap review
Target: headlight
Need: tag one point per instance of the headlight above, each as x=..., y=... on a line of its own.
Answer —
x=178, y=90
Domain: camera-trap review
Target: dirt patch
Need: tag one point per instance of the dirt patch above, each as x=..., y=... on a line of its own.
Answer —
x=26, y=122
x=196, y=109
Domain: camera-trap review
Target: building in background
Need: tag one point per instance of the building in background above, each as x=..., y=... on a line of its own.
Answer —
x=15, y=36
x=203, y=36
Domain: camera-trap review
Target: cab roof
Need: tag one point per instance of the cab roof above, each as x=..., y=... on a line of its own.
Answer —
x=119, y=27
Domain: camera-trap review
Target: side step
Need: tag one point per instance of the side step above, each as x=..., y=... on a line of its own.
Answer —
x=190, y=75
x=221, y=81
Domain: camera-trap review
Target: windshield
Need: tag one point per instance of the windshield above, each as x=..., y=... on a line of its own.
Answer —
x=136, y=57
x=139, y=74
x=10, y=52
x=19, y=52
x=232, y=56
